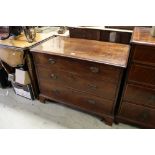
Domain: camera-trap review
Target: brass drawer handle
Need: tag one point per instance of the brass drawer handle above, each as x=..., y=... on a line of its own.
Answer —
x=51, y=61
x=94, y=69
x=91, y=101
x=53, y=76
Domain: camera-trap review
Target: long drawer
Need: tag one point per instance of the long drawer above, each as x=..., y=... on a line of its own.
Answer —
x=139, y=95
x=144, y=54
x=72, y=97
x=90, y=69
x=99, y=88
x=142, y=74
x=138, y=114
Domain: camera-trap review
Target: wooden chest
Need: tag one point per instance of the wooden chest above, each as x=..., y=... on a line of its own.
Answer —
x=83, y=74
x=138, y=101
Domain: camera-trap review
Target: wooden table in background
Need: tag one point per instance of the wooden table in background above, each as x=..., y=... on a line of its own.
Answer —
x=20, y=44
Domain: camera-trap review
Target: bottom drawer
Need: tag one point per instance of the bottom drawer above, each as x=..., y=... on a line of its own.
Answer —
x=82, y=100
x=136, y=113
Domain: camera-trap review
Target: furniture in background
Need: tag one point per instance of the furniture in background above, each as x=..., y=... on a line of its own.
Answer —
x=138, y=100
x=90, y=71
x=121, y=27
x=14, y=51
x=102, y=34
x=84, y=74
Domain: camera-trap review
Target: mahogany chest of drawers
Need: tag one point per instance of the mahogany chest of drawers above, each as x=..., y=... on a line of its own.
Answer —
x=83, y=74
x=138, y=100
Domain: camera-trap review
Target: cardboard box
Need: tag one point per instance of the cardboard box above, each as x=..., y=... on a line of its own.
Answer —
x=22, y=77
x=23, y=90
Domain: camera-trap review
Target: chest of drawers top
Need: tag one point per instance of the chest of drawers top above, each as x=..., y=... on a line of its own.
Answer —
x=89, y=50
x=142, y=36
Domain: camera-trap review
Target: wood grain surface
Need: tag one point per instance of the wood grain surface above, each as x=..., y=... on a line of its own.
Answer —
x=91, y=50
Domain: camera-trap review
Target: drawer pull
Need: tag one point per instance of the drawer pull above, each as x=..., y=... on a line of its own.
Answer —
x=94, y=69
x=91, y=102
x=51, y=61
x=53, y=76
x=91, y=86
x=56, y=92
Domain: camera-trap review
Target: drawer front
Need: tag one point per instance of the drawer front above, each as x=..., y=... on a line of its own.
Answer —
x=142, y=74
x=82, y=100
x=85, y=68
x=138, y=113
x=139, y=95
x=103, y=89
x=144, y=55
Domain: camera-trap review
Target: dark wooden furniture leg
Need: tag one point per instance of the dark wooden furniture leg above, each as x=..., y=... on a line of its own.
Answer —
x=107, y=120
x=42, y=99
x=32, y=73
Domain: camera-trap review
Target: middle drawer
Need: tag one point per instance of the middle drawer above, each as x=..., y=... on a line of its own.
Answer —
x=99, y=88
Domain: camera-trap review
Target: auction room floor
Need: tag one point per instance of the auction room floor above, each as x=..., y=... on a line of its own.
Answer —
x=18, y=112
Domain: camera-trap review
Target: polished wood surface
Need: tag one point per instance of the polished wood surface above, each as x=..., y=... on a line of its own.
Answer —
x=105, y=28
x=144, y=55
x=99, y=88
x=142, y=35
x=140, y=95
x=85, y=33
x=138, y=100
x=140, y=116
x=97, y=71
x=101, y=34
x=96, y=51
x=121, y=27
x=116, y=37
x=71, y=96
x=84, y=74
x=20, y=42
x=142, y=75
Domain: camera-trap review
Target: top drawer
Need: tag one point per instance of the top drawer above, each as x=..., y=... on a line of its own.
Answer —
x=84, y=68
x=144, y=54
